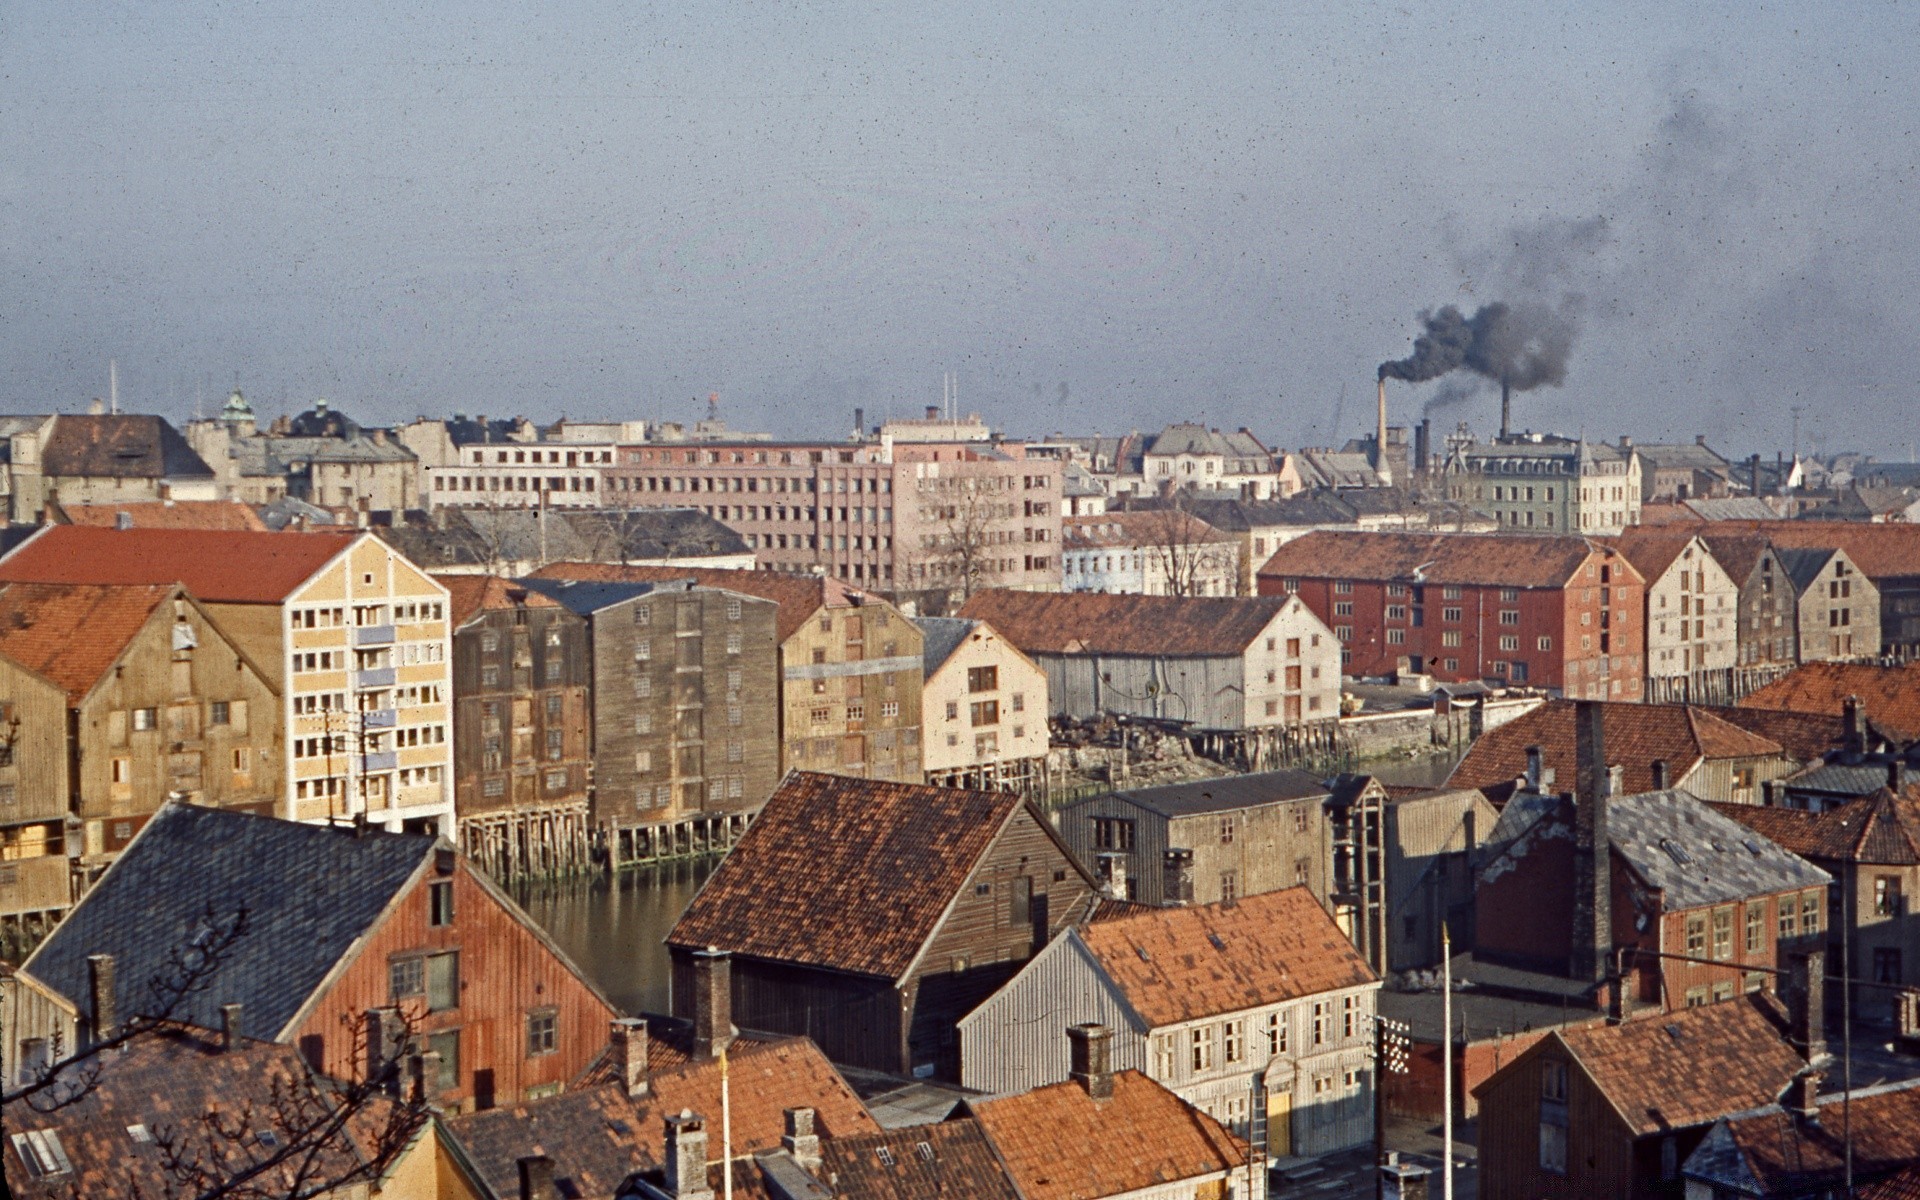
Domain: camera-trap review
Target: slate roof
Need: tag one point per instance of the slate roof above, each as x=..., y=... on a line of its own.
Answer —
x=460, y=537
x=73, y=633
x=1891, y=695
x=1228, y=793
x=1474, y=559
x=948, y=1159
x=586, y=597
x=1696, y=856
x=1138, y=527
x=173, y=1079
x=1881, y=828
x=1057, y=1143
x=122, y=446
x=1777, y=1154
x=1670, y=456
x=941, y=636
x=1687, y=1068
x=1181, y=964
x=799, y=596
x=1187, y=437
x=153, y=902
x=217, y=566
x=1637, y=735
x=470, y=595
x=167, y=514
x=597, y=1135
x=1840, y=778
x=846, y=874
x=1150, y=626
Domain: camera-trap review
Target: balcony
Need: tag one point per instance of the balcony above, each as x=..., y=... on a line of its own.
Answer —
x=378, y=677
x=379, y=718
x=373, y=635
x=385, y=760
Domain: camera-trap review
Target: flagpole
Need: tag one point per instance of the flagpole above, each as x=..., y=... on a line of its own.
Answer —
x=726, y=1130
x=1446, y=1063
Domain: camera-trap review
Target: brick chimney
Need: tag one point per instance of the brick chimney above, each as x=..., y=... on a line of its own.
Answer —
x=1592, y=865
x=1854, y=725
x=712, y=1001
x=686, y=1174
x=630, y=1044
x=536, y=1178
x=385, y=1032
x=1110, y=867
x=101, y=1014
x=1896, y=774
x=229, y=1027
x=1090, y=1059
x=1803, y=1097
x=1807, y=1003
x=1177, y=885
x=799, y=1139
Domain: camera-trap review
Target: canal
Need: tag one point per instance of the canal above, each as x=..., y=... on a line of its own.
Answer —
x=613, y=927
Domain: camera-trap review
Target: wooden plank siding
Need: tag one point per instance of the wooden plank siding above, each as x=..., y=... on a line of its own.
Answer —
x=1268, y=846
x=1600, y=1149
x=506, y=971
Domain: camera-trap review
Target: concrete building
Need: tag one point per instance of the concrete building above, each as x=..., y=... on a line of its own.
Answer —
x=1539, y=483
x=983, y=706
x=1219, y=664
x=98, y=458
x=321, y=456
x=1208, y=841
x=1187, y=455
x=1692, y=615
x=352, y=637
x=1681, y=471
x=1258, y=1013
x=1152, y=552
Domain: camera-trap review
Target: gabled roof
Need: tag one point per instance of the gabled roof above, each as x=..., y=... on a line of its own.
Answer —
x=1737, y=553
x=1890, y=695
x=1881, y=551
x=73, y=633
x=1225, y=794
x=1804, y=566
x=1687, y=1068
x=1138, y=527
x=217, y=566
x=1653, y=549
x=1882, y=828
x=586, y=597
x=846, y=874
x=1058, y=1143
x=941, y=636
x=120, y=445
x=470, y=595
x=1153, y=626
x=167, y=514
x=951, y=1159
x=1181, y=964
x=1477, y=559
x=1669, y=456
x=309, y=891
x=598, y=1135
x=1696, y=856
x=1637, y=735
x=1778, y=1154
x=799, y=596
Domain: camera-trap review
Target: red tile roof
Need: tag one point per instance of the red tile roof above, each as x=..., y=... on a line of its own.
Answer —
x=1058, y=1143
x=1691, y=1067
x=74, y=633
x=1882, y=829
x=1891, y=694
x=957, y=1161
x=1181, y=964
x=1880, y=551
x=1637, y=735
x=1651, y=551
x=1097, y=623
x=469, y=595
x=1473, y=559
x=168, y=514
x=217, y=566
x=799, y=596
x=1789, y=1156
x=848, y=874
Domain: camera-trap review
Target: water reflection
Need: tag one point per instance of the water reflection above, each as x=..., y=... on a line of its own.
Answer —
x=613, y=928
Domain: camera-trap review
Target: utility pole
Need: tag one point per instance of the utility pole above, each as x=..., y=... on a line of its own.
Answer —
x=1446, y=1063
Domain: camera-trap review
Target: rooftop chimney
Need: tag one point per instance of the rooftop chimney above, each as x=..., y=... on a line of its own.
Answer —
x=1803, y=1097
x=1534, y=759
x=1177, y=887
x=230, y=1027
x=1770, y=793
x=123, y=520
x=1660, y=783
x=712, y=1002
x=101, y=1013
x=630, y=1054
x=1807, y=1003
x=1854, y=724
x=686, y=1174
x=536, y=1178
x=799, y=1139
x=385, y=1034
x=1592, y=888
x=1111, y=868
x=1090, y=1059
x=1896, y=774
x=933, y=412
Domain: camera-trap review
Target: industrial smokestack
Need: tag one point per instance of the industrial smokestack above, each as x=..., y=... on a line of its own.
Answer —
x=1506, y=408
x=1380, y=466
x=1422, y=444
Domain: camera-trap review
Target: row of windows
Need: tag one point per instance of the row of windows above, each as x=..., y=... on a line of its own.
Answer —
x=1199, y=1049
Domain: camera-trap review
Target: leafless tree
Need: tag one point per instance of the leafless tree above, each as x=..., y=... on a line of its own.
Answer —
x=1183, y=551
x=967, y=554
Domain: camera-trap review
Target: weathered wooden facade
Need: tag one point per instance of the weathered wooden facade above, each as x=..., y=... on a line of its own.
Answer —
x=38, y=1027
x=984, y=707
x=1837, y=608
x=871, y=916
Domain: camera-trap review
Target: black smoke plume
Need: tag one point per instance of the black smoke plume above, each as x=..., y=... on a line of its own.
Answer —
x=1519, y=346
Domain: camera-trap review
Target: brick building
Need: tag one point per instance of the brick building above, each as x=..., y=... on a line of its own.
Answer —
x=1561, y=613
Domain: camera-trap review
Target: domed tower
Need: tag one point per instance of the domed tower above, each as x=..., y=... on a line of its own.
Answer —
x=237, y=415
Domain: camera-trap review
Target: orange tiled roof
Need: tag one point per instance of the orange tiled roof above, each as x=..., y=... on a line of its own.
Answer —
x=168, y=514
x=217, y=566
x=73, y=633
x=1636, y=736
x=1891, y=694
x=1882, y=828
x=848, y=874
x=1060, y=1144
x=1482, y=559
x=469, y=595
x=1098, y=623
x=1880, y=551
x=1651, y=550
x=1180, y=964
x=1688, y=1068
x=799, y=596
x=1789, y=1156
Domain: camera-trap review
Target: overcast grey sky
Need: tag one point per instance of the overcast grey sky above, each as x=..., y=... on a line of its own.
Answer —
x=1100, y=216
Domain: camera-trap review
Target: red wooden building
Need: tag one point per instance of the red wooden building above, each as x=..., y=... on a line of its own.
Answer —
x=344, y=929
x=1561, y=613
